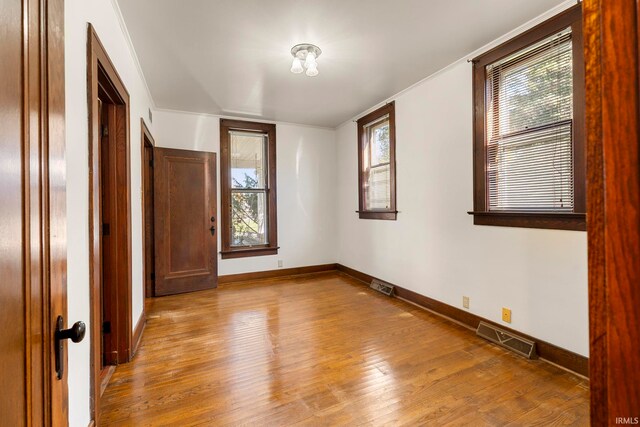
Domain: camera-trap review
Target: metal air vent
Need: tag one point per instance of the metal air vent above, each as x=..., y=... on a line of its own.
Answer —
x=382, y=287
x=507, y=340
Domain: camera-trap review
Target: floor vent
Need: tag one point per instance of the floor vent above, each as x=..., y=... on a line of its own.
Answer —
x=381, y=286
x=507, y=340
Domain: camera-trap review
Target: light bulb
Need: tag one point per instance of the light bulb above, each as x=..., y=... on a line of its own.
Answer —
x=296, y=67
x=311, y=60
x=312, y=70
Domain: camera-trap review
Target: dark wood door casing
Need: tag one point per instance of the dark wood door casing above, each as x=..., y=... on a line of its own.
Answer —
x=104, y=84
x=185, y=213
x=613, y=208
x=33, y=209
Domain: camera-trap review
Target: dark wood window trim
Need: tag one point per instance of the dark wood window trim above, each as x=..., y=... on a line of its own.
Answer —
x=225, y=182
x=562, y=221
x=384, y=214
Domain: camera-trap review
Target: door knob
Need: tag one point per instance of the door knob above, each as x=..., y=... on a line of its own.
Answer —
x=212, y=230
x=75, y=334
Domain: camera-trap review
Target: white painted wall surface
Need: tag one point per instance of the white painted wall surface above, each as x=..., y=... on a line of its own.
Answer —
x=104, y=18
x=434, y=248
x=306, y=176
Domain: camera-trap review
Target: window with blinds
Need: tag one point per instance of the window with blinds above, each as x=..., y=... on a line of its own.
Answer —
x=529, y=128
x=377, y=164
x=529, y=111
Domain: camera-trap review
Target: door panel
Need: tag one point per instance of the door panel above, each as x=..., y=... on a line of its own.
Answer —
x=12, y=301
x=185, y=221
x=32, y=212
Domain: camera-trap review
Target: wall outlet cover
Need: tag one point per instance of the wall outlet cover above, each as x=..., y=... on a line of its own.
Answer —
x=506, y=315
x=465, y=302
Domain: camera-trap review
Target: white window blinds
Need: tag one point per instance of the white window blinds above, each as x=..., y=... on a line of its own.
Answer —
x=529, y=110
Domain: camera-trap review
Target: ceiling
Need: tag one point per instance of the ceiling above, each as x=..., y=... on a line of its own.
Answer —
x=232, y=57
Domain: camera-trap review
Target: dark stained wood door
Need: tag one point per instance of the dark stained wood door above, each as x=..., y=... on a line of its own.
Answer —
x=32, y=213
x=185, y=221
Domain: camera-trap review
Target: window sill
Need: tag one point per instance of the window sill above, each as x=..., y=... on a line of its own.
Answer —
x=385, y=215
x=553, y=221
x=249, y=252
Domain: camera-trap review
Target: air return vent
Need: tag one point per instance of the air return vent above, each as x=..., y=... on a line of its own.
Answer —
x=507, y=340
x=381, y=286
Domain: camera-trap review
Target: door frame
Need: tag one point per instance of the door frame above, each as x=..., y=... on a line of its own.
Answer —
x=611, y=32
x=102, y=75
x=146, y=139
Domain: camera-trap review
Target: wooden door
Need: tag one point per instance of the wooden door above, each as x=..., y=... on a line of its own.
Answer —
x=185, y=221
x=611, y=33
x=32, y=212
x=147, y=209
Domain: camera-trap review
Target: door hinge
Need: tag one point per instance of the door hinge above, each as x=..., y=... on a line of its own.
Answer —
x=106, y=230
x=106, y=327
x=105, y=130
x=153, y=276
x=151, y=162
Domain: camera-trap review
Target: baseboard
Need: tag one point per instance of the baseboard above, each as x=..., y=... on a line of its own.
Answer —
x=549, y=352
x=270, y=274
x=105, y=377
x=137, y=334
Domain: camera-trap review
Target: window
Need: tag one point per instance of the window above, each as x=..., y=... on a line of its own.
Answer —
x=248, y=182
x=529, y=161
x=377, y=164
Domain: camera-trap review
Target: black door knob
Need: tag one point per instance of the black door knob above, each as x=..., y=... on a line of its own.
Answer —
x=212, y=230
x=75, y=334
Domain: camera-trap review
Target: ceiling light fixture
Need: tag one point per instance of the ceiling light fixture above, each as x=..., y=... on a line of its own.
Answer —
x=306, y=54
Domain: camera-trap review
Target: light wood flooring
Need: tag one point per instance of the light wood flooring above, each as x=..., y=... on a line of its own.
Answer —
x=325, y=350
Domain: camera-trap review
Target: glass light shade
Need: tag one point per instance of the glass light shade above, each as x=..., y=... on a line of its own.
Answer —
x=311, y=60
x=296, y=67
x=312, y=70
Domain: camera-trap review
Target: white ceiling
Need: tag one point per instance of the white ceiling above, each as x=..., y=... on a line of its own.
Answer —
x=232, y=56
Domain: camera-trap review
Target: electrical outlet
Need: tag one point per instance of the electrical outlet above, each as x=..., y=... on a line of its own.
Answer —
x=465, y=302
x=506, y=314
x=280, y=263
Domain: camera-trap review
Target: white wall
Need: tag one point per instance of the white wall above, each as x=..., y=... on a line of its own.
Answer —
x=434, y=249
x=104, y=18
x=306, y=176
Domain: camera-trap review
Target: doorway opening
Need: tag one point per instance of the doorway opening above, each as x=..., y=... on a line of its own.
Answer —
x=147, y=210
x=109, y=219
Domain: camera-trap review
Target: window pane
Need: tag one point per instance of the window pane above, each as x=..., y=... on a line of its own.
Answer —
x=248, y=160
x=248, y=218
x=378, y=191
x=532, y=171
x=379, y=142
x=532, y=88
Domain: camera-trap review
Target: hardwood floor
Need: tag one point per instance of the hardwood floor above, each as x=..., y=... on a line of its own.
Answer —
x=325, y=350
